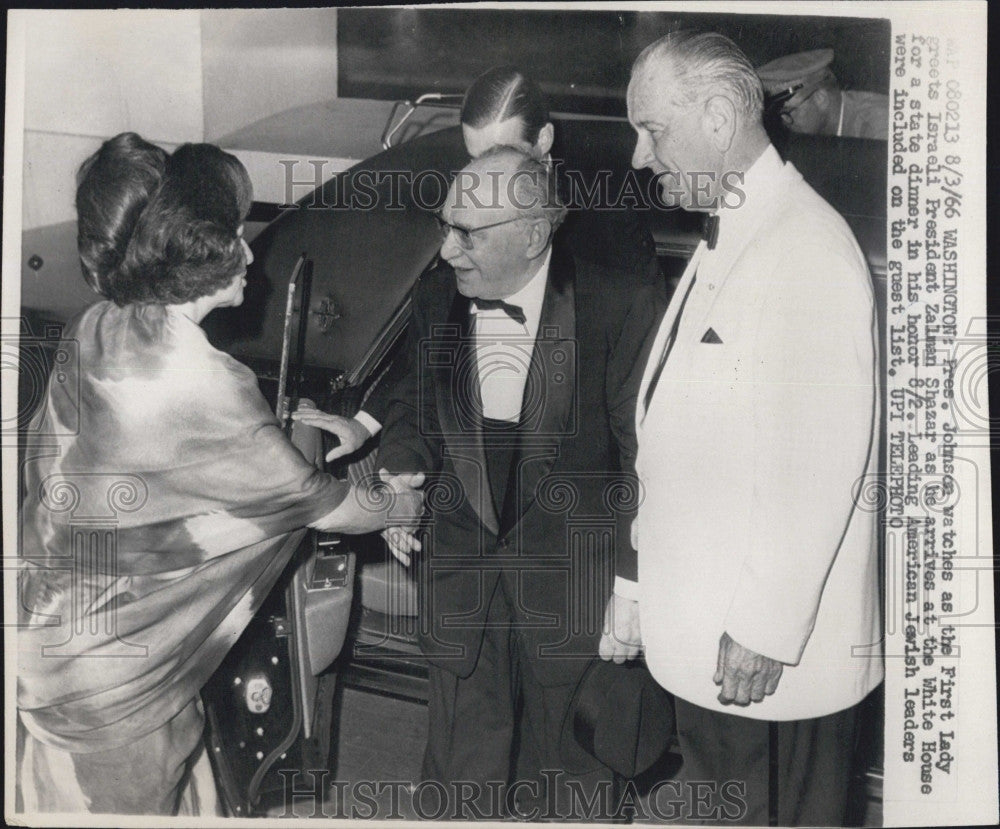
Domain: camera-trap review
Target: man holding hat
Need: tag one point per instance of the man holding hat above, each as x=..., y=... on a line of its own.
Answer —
x=813, y=102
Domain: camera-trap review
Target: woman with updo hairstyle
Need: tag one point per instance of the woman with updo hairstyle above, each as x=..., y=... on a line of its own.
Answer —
x=114, y=187
x=186, y=241
x=159, y=492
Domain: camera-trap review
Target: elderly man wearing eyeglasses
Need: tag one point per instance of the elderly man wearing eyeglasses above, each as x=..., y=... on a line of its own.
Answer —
x=518, y=402
x=503, y=106
x=812, y=101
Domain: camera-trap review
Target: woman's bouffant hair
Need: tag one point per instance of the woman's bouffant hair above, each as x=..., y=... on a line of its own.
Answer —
x=505, y=92
x=157, y=228
x=114, y=186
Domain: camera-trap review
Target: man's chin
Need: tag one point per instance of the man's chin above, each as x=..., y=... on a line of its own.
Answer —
x=465, y=280
x=669, y=192
x=673, y=199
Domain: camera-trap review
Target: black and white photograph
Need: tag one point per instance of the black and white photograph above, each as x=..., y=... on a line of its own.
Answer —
x=498, y=413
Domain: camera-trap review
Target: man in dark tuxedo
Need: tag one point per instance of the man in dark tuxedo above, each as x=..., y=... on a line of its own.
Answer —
x=519, y=403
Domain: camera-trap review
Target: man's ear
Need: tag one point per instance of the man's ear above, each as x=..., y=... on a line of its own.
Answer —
x=543, y=144
x=719, y=122
x=538, y=237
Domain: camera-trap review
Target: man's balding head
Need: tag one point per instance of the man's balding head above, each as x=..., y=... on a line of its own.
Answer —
x=521, y=181
x=502, y=208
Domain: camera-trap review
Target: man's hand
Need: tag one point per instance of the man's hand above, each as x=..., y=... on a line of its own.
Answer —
x=620, y=639
x=404, y=515
x=745, y=676
x=401, y=544
x=350, y=432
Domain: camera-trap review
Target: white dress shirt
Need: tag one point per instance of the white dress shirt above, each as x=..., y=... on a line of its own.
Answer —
x=503, y=351
x=504, y=346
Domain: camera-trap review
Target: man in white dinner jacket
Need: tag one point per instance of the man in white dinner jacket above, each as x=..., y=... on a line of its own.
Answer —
x=756, y=585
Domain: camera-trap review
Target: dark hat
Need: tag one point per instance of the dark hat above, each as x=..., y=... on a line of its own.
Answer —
x=619, y=717
x=803, y=69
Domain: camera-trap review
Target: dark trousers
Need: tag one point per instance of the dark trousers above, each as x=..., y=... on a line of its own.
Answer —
x=496, y=732
x=726, y=767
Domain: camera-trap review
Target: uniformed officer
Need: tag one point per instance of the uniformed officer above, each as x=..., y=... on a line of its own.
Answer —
x=813, y=101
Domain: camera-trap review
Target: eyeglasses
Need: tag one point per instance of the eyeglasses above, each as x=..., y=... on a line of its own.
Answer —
x=464, y=234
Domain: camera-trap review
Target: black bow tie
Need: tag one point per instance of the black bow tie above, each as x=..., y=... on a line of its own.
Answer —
x=515, y=312
x=710, y=229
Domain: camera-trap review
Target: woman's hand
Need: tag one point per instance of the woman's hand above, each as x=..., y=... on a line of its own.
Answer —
x=368, y=507
x=350, y=432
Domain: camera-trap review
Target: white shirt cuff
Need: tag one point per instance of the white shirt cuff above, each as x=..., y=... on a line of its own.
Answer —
x=369, y=422
x=626, y=588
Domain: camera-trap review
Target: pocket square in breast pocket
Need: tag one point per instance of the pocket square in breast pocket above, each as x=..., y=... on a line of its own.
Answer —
x=711, y=337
